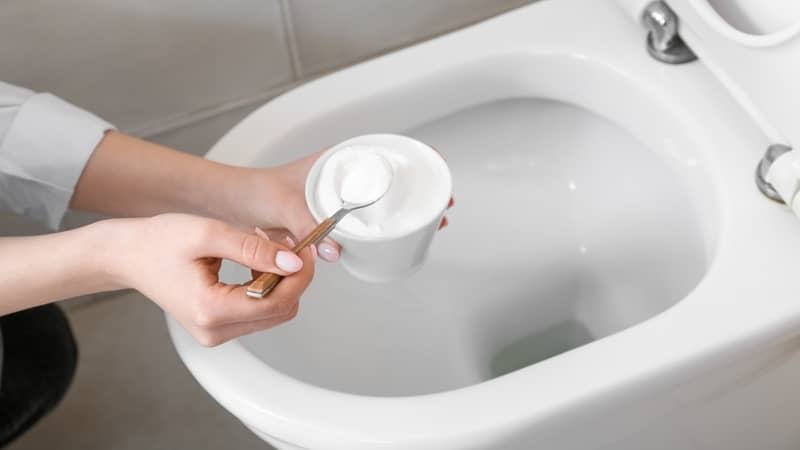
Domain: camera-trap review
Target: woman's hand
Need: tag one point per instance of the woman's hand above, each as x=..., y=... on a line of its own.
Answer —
x=275, y=198
x=130, y=177
x=174, y=259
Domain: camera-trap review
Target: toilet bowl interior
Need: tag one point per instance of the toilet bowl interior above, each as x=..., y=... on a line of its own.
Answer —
x=567, y=228
x=758, y=18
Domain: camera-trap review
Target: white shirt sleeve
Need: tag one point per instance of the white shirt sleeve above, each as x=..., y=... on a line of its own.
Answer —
x=45, y=143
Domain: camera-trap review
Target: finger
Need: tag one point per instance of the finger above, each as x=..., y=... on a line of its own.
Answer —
x=451, y=203
x=220, y=335
x=443, y=223
x=329, y=250
x=302, y=225
x=261, y=233
x=277, y=234
x=294, y=285
x=255, y=273
x=228, y=304
x=250, y=250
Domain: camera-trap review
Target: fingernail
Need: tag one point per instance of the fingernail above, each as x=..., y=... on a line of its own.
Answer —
x=288, y=261
x=328, y=252
x=261, y=233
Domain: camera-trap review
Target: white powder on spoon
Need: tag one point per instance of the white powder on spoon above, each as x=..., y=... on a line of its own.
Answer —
x=366, y=176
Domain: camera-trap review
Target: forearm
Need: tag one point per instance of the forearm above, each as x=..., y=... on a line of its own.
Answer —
x=42, y=269
x=130, y=177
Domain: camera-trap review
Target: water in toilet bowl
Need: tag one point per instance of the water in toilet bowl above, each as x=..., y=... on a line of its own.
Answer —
x=552, y=245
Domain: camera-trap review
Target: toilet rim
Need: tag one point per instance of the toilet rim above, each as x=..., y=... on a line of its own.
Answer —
x=616, y=360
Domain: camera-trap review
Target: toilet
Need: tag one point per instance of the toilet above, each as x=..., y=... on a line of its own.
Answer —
x=612, y=277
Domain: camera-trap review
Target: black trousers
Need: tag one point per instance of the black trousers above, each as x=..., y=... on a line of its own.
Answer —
x=39, y=357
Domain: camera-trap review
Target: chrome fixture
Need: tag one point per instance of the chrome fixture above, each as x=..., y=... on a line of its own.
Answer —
x=773, y=152
x=663, y=41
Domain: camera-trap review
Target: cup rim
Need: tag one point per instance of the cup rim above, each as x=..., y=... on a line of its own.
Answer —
x=312, y=178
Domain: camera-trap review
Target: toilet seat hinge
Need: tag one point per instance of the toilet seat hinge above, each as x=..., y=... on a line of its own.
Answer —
x=663, y=41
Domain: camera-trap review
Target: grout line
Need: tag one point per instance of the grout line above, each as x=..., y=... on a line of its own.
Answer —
x=291, y=39
x=183, y=119
x=180, y=120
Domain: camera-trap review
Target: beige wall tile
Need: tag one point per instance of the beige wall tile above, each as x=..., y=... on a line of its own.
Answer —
x=198, y=137
x=149, y=65
x=14, y=225
x=332, y=34
x=136, y=62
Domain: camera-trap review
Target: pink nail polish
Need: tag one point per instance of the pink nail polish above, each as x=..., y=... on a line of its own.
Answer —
x=328, y=252
x=288, y=261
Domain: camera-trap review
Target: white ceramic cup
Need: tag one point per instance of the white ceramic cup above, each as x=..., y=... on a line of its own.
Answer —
x=381, y=259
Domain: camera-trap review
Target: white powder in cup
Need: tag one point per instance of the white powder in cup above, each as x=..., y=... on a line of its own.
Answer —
x=359, y=173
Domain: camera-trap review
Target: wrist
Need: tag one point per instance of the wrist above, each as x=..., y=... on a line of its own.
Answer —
x=251, y=197
x=108, y=249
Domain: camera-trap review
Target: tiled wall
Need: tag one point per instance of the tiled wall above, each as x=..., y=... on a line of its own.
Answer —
x=182, y=72
x=154, y=67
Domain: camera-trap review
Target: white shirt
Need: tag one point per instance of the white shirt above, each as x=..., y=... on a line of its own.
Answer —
x=45, y=143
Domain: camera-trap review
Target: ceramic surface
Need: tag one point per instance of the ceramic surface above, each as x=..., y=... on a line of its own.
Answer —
x=751, y=47
x=611, y=279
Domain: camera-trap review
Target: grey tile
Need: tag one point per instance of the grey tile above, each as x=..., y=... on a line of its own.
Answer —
x=131, y=391
x=75, y=303
x=198, y=137
x=136, y=62
x=74, y=219
x=14, y=225
x=332, y=34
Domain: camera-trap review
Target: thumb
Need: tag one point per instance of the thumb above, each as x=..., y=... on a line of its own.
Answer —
x=251, y=250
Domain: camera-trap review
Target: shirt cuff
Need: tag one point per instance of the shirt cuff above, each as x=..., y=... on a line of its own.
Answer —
x=43, y=154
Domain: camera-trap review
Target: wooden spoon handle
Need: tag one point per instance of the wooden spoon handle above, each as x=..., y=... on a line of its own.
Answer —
x=266, y=282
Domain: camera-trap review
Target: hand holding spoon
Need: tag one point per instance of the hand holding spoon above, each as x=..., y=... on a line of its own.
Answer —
x=363, y=184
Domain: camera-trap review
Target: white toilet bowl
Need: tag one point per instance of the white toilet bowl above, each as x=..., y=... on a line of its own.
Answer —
x=611, y=279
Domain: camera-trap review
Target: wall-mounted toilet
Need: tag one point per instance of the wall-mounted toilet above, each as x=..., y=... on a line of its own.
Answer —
x=612, y=278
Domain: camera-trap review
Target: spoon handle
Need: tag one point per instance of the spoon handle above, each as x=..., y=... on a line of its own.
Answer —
x=267, y=281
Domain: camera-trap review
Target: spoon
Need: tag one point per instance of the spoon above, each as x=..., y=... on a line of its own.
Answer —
x=367, y=183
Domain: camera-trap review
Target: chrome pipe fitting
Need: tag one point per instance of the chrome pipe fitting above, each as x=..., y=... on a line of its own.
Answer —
x=663, y=41
x=773, y=152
